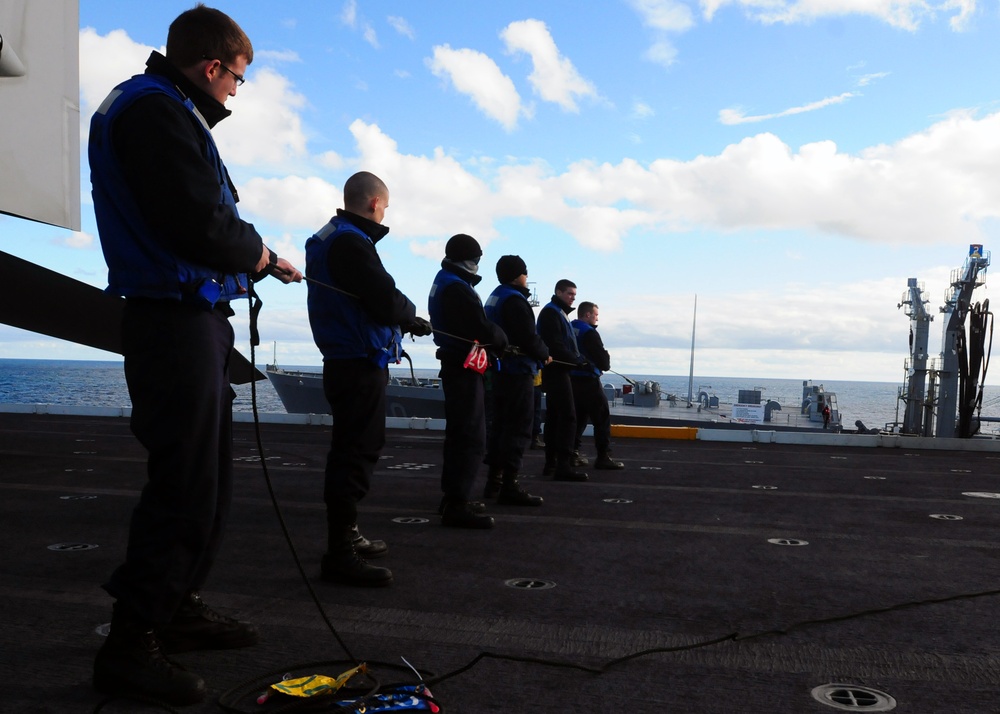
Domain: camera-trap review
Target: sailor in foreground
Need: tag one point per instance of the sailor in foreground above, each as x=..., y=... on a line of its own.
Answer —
x=513, y=383
x=178, y=252
x=459, y=323
x=357, y=317
x=588, y=394
x=560, y=411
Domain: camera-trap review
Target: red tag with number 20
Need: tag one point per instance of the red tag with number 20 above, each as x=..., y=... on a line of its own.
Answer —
x=477, y=359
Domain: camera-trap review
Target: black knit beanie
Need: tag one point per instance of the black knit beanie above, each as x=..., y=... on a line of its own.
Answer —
x=510, y=267
x=462, y=247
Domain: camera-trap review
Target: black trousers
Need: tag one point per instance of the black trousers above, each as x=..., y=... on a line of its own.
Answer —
x=514, y=407
x=355, y=389
x=560, y=415
x=465, y=429
x=592, y=405
x=177, y=371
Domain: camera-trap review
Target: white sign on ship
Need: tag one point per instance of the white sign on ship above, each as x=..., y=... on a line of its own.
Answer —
x=748, y=413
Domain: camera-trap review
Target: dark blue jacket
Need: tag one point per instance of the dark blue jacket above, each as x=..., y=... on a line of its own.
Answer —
x=555, y=330
x=439, y=316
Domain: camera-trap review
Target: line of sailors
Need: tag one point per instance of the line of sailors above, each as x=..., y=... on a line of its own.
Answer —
x=358, y=318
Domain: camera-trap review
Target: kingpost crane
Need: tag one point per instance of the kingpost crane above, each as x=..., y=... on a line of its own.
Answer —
x=958, y=300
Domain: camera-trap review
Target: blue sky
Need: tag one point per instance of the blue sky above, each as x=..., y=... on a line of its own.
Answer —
x=789, y=162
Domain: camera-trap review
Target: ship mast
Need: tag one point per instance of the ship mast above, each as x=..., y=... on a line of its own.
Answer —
x=694, y=321
x=916, y=365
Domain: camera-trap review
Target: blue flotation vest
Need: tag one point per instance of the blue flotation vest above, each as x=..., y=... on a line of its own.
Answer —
x=581, y=328
x=341, y=328
x=447, y=343
x=511, y=364
x=139, y=265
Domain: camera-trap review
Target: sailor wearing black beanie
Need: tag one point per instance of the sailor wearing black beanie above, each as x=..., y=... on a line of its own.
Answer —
x=513, y=383
x=458, y=320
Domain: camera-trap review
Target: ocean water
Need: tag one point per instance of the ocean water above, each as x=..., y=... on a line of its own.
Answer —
x=95, y=384
x=102, y=384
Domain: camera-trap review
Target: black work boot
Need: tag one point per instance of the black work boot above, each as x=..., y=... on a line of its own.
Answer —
x=131, y=663
x=475, y=506
x=493, y=482
x=604, y=461
x=196, y=626
x=564, y=472
x=579, y=460
x=343, y=565
x=369, y=549
x=461, y=514
x=511, y=493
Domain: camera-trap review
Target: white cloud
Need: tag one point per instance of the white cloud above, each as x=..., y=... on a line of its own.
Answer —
x=349, y=17
x=277, y=55
x=663, y=17
x=429, y=196
x=302, y=203
x=904, y=14
x=105, y=62
x=349, y=13
x=937, y=185
x=783, y=314
x=331, y=160
x=79, y=240
x=553, y=76
x=400, y=25
x=736, y=116
x=474, y=74
x=867, y=79
x=641, y=110
x=932, y=187
x=666, y=15
x=662, y=53
x=966, y=8
x=265, y=126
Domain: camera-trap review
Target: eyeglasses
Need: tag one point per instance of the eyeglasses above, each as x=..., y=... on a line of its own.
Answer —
x=240, y=79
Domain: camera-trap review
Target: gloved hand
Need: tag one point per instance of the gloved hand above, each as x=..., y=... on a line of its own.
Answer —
x=420, y=327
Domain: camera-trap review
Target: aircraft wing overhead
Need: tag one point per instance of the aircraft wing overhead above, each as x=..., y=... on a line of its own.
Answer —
x=41, y=300
x=40, y=111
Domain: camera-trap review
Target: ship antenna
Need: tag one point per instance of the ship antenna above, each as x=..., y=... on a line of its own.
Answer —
x=694, y=321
